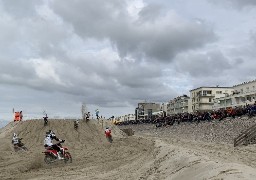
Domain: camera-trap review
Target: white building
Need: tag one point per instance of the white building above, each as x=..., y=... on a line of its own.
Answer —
x=203, y=97
x=145, y=110
x=180, y=104
x=243, y=94
x=127, y=117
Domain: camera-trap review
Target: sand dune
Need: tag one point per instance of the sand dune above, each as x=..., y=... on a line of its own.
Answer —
x=133, y=157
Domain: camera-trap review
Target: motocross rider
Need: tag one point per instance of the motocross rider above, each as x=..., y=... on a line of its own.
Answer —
x=76, y=123
x=50, y=135
x=45, y=119
x=15, y=140
x=108, y=132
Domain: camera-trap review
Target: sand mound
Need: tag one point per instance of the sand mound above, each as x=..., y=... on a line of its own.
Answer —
x=130, y=157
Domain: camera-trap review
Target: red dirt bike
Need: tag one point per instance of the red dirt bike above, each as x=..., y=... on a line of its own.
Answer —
x=51, y=155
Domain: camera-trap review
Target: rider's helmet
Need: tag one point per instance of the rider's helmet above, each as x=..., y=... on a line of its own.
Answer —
x=14, y=135
x=50, y=132
x=107, y=127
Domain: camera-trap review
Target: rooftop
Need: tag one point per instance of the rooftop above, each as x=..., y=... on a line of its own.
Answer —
x=211, y=87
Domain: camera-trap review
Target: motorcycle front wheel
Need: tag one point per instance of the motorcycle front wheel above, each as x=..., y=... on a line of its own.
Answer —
x=68, y=158
x=110, y=139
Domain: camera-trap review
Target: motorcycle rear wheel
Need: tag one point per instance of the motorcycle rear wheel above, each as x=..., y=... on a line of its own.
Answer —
x=24, y=148
x=48, y=159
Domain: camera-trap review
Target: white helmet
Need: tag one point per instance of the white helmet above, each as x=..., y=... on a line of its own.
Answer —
x=14, y=135
x=50, y=133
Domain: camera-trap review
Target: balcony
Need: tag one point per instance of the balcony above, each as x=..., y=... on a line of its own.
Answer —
x=203, y=102
x=207, y=95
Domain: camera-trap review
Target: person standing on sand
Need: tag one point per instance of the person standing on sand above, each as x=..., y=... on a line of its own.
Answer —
x=76, y=123
x=45, y=119
x=21, y=116
x=88, y=116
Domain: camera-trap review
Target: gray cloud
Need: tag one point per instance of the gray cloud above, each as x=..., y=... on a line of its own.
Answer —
x=235, y=3
x=206, y=64
x=216, y=68
x=22, y=8
x=151, y=13
x=160, y=39
x=253, y=37
x=114, y=54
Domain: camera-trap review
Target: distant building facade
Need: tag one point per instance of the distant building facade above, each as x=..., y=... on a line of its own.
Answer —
x=202, y=98
x=145, y=110
x=180, y=104
x=127, y=117
x=243, y=94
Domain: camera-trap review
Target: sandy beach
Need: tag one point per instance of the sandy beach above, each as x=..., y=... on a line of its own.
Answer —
x=150, y=154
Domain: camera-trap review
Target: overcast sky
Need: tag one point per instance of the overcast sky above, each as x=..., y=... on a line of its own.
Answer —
x=56, y=55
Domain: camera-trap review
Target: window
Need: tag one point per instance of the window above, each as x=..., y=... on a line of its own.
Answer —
x=218, y=92
x=210, y=99
x=247, y=89
x=206, y=92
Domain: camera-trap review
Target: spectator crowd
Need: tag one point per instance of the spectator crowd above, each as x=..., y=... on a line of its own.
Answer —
x=196, y=117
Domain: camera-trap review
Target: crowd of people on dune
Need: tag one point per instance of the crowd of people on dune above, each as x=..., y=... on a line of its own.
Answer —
x=197, y=117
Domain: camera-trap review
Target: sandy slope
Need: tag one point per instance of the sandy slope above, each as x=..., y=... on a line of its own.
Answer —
x=134, y=157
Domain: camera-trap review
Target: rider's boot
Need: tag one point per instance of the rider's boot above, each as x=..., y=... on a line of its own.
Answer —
x=60, y=156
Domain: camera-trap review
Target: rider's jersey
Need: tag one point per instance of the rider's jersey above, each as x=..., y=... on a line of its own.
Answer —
x=108, y=132
x=49, y=138
x=15, y=140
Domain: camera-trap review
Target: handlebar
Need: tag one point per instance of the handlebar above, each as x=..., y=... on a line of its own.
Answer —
x=60, y=142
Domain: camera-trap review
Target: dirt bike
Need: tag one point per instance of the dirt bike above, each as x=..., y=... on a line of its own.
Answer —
x=109, y=138
x=20, y=146
x=51, y=155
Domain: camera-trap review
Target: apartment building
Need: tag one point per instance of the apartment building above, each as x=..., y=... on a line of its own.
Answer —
x=127, y=117
x=180, y=104
x=202, y=98
x=243, y=94
x=145, y=110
